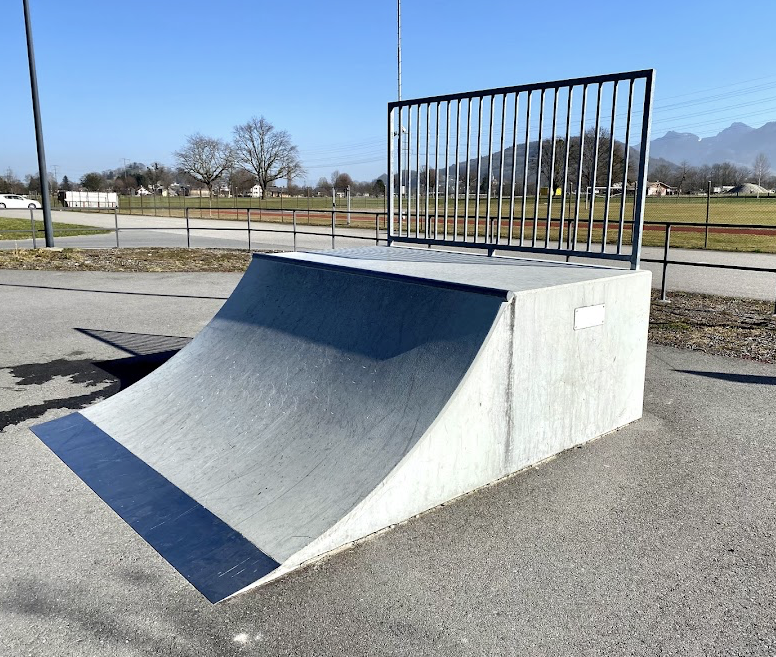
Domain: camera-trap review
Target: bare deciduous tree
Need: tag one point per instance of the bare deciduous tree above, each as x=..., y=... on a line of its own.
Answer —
x=205, y=159
x=761, y=167
x=266, y=152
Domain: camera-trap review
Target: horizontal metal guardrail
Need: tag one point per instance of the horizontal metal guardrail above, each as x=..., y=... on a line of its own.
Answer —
x=425, y=208
x=379, y=218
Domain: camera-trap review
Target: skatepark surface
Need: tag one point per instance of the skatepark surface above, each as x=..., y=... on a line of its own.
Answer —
x=656, y=539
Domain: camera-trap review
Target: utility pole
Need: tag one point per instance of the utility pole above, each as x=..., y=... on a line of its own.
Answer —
x=42, y=171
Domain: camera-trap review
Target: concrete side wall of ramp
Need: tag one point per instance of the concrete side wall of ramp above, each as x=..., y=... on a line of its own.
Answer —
x=537, y=387
x=326, y=401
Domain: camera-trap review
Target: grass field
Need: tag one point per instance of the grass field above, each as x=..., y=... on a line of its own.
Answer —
x=9, y=228
x=722, y=210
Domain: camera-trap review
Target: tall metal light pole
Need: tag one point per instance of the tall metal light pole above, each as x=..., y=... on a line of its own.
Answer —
x=398, y=41
x=44, y=188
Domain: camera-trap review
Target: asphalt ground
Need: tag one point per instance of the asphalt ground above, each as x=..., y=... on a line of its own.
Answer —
x=657, y=539
x=170, y=232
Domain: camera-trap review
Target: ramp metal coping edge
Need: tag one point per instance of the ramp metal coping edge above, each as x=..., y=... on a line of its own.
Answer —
x=504, y=295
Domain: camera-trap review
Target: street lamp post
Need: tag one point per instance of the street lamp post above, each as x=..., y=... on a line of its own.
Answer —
x=44, y=188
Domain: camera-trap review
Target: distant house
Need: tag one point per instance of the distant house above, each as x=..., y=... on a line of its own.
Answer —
x=255, y=191
x=658, y=188
x=142, y=191
x=277, y=192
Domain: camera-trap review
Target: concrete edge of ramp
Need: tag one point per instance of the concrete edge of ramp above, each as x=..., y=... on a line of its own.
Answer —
x=503, y=294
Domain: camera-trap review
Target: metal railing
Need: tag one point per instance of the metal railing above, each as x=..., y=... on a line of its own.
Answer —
x=665, y=260
x=293, y=228
x=572, y=162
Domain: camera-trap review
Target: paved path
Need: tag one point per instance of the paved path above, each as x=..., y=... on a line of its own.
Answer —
x=657, y=539
x=171, y=232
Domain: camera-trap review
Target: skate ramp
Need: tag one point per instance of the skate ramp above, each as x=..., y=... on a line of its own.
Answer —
x=313, y=382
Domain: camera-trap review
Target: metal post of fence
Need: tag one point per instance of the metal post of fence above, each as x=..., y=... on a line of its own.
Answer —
x=188, y=234
x=708, y=200
x=293, y=221
x=249, y=229
x=665, y=264
x=32, y=223
x=348, y=193
x=116, y=224
x=377, y=229
x=333, y=219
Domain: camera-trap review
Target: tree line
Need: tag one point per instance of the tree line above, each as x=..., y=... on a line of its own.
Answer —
x=258, y=153
x=688, y=179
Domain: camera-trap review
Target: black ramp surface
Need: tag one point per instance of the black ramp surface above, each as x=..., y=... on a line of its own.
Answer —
x=301, y=395
x=206, y=551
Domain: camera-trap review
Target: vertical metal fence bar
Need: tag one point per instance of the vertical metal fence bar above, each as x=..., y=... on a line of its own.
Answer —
x=293, y=223
x=666, y=246
x=501, y=166
x=428, y=134
x=249, y=228
x=526, y=152
x=398, y=131
x=607, y=202
x=447, y=164
x=594, y=174
x=457, y=168
x=514, y=167
x=641, y=187
x=436, y=174
x=479, y=172
x=537, y=192
x=566, y=148
x=624, y=197
x=468, y=164
x=417, y=174
x=116, y=224
x=579, y=167
x=33, y=229
x=409, y=169
x=333, y=220
x=550, y=181
x=488, y=227
x=390, y=188
x=188, y=232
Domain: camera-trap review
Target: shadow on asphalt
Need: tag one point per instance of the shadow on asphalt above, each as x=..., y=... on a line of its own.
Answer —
x=736, y=378
x=105, y=377
x=137, y=294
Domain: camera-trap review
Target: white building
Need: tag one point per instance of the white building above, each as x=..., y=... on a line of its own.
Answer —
x=255, y=191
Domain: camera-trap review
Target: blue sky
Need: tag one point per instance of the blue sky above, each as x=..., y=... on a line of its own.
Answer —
x=131, y=80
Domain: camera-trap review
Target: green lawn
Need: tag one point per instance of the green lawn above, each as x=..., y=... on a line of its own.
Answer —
x=8, y=228
x=722, y=210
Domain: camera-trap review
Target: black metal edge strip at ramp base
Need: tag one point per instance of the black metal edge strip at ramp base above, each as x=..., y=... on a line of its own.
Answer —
x=217, y=560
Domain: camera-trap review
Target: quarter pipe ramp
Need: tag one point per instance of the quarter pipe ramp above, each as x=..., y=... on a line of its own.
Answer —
x=337, y=393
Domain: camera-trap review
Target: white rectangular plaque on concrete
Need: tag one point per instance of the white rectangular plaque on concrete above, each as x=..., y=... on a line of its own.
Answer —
x=589, y=316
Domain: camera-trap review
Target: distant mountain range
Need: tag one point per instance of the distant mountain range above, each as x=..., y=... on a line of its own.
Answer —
x=739, y=144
